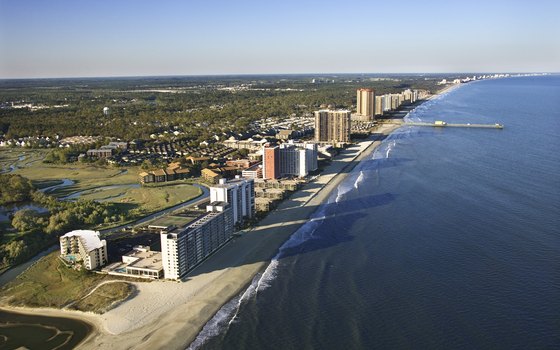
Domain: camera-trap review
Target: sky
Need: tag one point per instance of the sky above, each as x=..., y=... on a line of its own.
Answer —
x=71, y=38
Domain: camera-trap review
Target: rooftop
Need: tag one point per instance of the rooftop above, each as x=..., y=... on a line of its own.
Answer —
x=231, y=183
x=145, y=259
x=90, y=239
x=169, y=221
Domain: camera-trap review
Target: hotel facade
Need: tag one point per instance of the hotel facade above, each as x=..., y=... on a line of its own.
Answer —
x=239, y=193
x=290, y=159
x=184, y=248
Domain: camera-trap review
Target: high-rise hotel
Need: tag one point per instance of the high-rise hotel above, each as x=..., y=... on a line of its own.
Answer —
x=239, y=193
x=183, y=248
x=289, y=159
x=365, y=103
x=332, y=126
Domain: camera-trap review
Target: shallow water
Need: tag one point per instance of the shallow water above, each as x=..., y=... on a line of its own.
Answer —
x=39, y=332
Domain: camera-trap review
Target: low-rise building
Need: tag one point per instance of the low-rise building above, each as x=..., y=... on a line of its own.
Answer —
x=285, y=134
x=210, y=175
x=240, y=163
x=254, y=172
x=141, y=262
x=100, y=153
x=172, y=173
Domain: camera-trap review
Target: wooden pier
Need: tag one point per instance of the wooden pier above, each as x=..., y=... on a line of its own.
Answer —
x=446, y=125
x=442, y=124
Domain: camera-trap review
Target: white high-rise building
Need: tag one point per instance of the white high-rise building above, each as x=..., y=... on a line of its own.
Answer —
x=297, y=159
x=184, y=248
x=239, y=193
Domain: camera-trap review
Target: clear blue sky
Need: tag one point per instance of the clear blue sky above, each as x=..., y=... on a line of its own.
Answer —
x=60, y=38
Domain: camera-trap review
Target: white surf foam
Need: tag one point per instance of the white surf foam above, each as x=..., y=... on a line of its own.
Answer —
x=359, y=180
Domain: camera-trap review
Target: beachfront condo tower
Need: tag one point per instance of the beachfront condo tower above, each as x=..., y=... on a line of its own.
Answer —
x=83, y=246
x=271, y=162
x=184, y=248
x=365, y=103
x=332, y=126
x=239, y=193
x=289, y=159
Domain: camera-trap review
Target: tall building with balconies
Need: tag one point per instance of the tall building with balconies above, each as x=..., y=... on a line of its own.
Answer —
x=290, y=159
x=84, y=246
x=332, y=126
x=378, y=105
x=183, y=248
x=239, y=193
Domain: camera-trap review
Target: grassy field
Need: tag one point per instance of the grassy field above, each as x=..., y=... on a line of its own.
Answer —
x=85, y=176
x=49, y=283
x=93, y=181
x=104, y=297
x=152, y=199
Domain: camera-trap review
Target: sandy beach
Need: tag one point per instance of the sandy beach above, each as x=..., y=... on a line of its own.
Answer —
x=172, y=313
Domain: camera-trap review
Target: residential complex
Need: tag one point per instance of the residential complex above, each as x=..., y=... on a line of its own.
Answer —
x=378, y=105
x=332, y=126
x=84, y=246
x=173, y=172
x=239, y=193
x=185, y=247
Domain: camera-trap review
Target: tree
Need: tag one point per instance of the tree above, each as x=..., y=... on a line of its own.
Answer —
x=14, y=189
x=28, y=220
x=15, y=249
x=61, y=221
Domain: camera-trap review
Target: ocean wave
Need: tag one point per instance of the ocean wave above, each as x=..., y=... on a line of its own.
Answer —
x=227, y=315
x=359, y=180
x=216, y=325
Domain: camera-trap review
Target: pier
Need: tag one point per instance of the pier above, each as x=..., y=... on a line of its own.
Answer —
x=442, y=124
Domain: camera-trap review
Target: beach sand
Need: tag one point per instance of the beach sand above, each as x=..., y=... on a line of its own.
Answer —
x=171, y=314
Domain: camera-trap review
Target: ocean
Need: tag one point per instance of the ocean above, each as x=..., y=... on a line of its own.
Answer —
x=444, y=238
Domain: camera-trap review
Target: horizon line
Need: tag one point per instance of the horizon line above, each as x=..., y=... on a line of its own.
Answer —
x=267, y=74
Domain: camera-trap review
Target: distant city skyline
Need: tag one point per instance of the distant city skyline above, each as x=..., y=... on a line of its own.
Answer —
x=64, y=38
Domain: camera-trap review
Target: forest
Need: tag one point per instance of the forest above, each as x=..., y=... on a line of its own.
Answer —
x=198, y=106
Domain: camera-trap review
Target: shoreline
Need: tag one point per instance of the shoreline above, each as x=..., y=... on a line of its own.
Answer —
x=166, y=312
x=225, y=275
